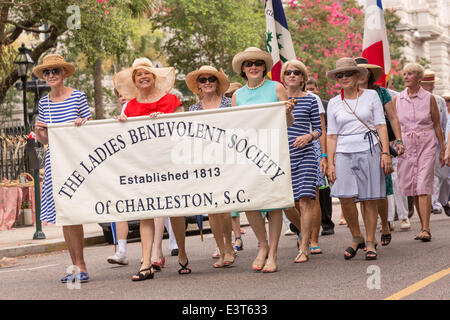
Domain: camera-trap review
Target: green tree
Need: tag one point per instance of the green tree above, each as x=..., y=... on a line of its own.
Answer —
x=209, y=32
x=102, y=30
x=326, y=30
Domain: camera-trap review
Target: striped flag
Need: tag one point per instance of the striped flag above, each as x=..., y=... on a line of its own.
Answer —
x=375, y=41
x=278, y=37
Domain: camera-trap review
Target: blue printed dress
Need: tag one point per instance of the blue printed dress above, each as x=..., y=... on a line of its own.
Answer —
x=304, y=164
x=56, y=112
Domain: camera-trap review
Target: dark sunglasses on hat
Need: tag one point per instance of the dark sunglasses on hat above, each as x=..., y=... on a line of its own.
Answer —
x=210, y=79
x=47, y=72
x=295, y=72
x=257, y=63
x=347, y=74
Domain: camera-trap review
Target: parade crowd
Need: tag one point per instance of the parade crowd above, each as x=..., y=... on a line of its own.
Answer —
x=370, y=145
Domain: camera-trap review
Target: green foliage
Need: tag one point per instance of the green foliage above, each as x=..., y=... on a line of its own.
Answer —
x=209, y=32
x=325, y=30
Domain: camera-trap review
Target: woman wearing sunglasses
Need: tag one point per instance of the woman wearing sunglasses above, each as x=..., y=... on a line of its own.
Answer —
x=394, y=134
x=62, y=104
x=253, y=64
x=357, y=158
x=306, y=129
x=147, y=89
x=210, y=85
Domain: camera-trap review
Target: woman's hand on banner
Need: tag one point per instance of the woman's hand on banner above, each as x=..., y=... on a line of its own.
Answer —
x=79, y=122
x=290, y=104
x=155, y=114
x=121, y=118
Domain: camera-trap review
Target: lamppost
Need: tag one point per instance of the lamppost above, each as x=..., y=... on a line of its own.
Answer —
x=24, y=63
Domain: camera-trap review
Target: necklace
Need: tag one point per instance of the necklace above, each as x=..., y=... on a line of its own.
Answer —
x=356, y=105
x=258, y=86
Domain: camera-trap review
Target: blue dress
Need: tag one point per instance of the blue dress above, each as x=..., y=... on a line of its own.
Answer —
x=303, y=160
x=56, y=112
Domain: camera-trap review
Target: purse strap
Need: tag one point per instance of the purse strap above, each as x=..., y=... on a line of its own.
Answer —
x=372, y=131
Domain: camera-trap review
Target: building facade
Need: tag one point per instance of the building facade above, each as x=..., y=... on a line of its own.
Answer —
x=425, y=24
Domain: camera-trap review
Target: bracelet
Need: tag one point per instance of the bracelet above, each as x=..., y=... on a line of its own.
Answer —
x=386, y=154
x=324, y=155
x=399, y=141
x=312, y=137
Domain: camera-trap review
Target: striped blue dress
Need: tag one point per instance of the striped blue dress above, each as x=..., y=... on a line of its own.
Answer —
x=74, y=107
x=303, y=160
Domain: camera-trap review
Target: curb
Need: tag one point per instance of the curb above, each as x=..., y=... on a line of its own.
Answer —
x=30, y=249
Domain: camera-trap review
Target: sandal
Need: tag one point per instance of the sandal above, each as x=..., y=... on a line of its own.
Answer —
x=184, y=268
x=426, y=238
x=216, y=254
x=143, y=275
x=371, y=255
x=386, y=239
x=229, y=262
x=241, y=247
x=158, y=265
x=299, y=255
x=352, y=252
x=269, y=268
x=258, y=263
x=315, y=250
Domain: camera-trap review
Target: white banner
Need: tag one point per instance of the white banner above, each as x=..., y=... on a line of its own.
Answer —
x=233, y=159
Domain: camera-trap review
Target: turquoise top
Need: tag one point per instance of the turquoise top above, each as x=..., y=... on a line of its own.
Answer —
x=264, y=94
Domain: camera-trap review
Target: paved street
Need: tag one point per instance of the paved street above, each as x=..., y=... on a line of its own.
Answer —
x=403, y=263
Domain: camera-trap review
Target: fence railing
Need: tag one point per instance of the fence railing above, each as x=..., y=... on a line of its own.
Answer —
x=13, y=139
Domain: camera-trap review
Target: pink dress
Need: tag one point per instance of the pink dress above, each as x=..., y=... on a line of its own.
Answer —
x=415, y=167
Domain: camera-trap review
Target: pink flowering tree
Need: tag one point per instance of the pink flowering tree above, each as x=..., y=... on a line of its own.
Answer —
x=324, y=31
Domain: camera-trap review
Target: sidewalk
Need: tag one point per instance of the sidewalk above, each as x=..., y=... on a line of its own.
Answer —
x=19, y=241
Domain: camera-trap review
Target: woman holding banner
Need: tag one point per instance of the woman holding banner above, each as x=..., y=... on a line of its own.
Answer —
x=147, y=88
x=253, y=64
x=210, y=85
x=306, y=129
x=62, y=104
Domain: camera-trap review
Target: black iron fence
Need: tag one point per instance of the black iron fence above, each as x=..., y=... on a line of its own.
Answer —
x=13, y=139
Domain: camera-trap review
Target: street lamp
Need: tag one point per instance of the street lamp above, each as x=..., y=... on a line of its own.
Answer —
x=24, y=63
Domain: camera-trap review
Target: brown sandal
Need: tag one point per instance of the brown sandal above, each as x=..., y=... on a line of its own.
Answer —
x=426, y=238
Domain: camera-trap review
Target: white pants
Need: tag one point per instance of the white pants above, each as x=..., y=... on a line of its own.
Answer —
x=441, y=188
x=172, y=241
x=400, y=202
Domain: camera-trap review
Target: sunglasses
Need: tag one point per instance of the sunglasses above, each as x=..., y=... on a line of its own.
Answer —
x=210, y=79
x=257, y=63
x=47, y=72
x=347, y=74
x=295, y=72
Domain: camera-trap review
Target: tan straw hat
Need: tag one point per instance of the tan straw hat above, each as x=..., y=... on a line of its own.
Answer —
x=446, y=95
x=377, y=71
x=251, y=53
x=191, y=79
x=53, y=61
x=233, y=87
x=429, y=76
x=124, y=80
x=346, y=64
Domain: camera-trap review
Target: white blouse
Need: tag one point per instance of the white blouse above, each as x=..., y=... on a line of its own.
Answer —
x=352, y=134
